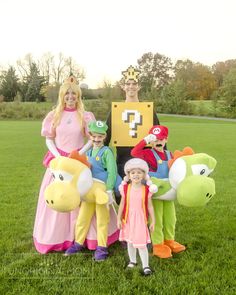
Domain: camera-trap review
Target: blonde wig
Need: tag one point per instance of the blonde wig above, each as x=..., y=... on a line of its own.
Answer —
x=69, y=83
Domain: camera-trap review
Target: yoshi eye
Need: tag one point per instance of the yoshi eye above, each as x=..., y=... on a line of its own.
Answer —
x=60, y=175
x=200, y=169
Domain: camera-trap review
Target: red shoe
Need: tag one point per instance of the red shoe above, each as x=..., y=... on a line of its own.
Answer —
x=175, y=246
x=162, y=251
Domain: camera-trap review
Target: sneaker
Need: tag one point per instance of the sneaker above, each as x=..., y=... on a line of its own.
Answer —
x=101, y=253
x=147, y=271
x=131, y=264
x=76, y=247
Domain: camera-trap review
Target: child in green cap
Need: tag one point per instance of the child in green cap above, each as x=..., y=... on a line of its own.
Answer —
x=101, y=158
x=103, y=167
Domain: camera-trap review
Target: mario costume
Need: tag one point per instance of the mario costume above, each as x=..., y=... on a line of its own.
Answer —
x=157, y=158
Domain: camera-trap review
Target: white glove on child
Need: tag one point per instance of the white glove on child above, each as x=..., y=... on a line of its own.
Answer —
x=86, y=147
x=52, y=147
x=110, y=197
x=149, y=138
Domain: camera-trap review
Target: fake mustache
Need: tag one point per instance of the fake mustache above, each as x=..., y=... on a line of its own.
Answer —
x=97, y=142
x=159, y=144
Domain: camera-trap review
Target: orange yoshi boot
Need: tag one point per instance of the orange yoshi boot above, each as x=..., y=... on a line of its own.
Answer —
x=174, y=246
x=162, y=251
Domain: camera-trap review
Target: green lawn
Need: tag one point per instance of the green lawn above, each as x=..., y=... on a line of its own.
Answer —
x=207, y=267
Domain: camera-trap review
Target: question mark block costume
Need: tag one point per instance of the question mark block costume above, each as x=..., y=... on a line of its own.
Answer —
x=130, y=122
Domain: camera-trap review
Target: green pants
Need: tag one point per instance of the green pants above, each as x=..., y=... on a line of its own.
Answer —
x=165, y=221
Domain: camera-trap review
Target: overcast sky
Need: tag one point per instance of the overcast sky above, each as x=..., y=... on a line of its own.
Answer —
x=106, y=36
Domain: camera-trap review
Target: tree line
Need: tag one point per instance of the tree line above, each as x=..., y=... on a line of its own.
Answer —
x=35, y=80
x=171, y=84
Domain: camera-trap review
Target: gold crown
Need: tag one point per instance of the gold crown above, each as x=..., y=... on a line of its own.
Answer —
x=71, y=80
x=131, y=74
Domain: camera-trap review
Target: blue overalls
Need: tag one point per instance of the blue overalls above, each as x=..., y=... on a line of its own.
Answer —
x=98, y=171
x=162, y=166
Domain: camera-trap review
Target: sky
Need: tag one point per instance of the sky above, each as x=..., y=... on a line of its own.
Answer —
x=106, y=36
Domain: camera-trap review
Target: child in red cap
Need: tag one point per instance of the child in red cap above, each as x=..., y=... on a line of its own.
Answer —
x=157, y=158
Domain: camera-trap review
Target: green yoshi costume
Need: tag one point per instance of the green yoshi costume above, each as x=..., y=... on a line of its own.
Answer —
x=189, y=183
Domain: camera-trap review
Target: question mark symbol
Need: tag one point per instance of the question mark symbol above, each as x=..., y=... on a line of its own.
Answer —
x=137, y=120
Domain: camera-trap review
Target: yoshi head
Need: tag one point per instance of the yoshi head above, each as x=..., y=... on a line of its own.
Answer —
x=72, y=180
x=189, y=176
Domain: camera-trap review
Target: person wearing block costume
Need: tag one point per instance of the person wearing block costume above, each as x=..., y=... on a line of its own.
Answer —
x=130, y=85
x=131, y=88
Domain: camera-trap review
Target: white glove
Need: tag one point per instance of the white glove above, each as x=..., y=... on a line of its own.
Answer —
x=52, y=147
x=149, y=138
x=110, y=197
x=85, y=148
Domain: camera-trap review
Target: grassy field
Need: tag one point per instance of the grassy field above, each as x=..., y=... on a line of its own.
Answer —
x=207, y=267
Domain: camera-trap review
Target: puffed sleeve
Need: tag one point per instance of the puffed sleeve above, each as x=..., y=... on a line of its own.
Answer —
x=88, y=117
x=121, y=190
x=150, y=195
x=47, y=129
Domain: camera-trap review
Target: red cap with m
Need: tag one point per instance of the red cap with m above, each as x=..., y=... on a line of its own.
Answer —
x=159, y=131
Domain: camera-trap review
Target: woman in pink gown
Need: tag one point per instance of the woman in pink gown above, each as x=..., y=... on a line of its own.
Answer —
x=65, y=129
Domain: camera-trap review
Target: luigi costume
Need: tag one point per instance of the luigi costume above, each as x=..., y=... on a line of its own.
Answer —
x=103, y=167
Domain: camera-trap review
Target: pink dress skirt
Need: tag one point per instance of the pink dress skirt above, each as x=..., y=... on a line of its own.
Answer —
x=135, y=230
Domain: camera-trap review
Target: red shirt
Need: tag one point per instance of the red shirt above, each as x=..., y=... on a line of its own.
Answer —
x=147, y=155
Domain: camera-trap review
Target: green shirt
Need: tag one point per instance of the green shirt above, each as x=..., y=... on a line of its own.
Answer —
x=108, y=163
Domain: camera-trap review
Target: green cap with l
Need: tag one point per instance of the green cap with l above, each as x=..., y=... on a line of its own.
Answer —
x=97, y=127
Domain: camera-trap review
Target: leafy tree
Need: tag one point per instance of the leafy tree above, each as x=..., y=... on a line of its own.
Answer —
x=221, y=68
x=155, y=71
x=32, y=86
x=9, y=84
x=228, y=91
x=198, y=78
x=183, y=68
x=173, y=98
